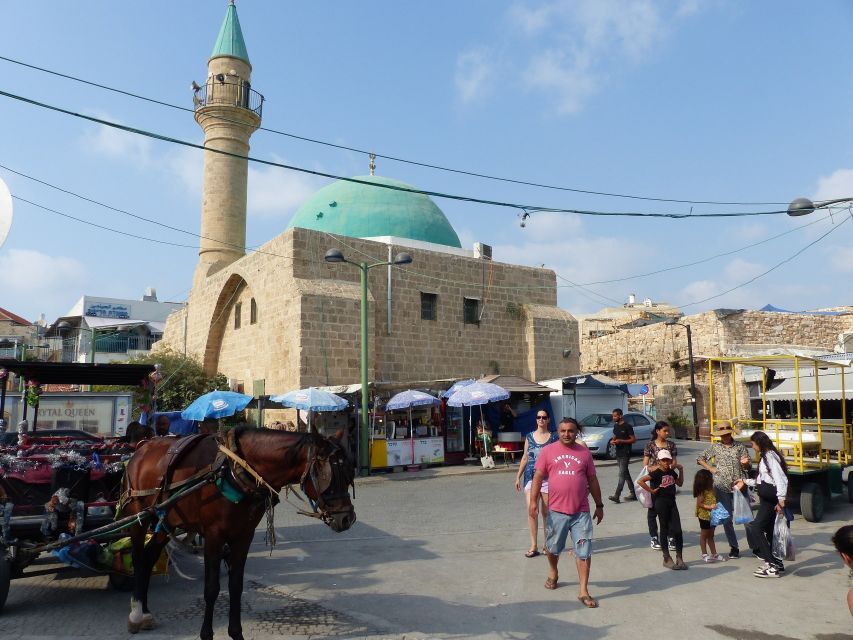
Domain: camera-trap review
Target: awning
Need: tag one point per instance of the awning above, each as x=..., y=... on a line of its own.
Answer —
x=596, y=381
x=79, y=373
x=516, y=384
x=829, y=384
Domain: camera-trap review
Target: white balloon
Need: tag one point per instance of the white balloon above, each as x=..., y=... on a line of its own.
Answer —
x=5, y=211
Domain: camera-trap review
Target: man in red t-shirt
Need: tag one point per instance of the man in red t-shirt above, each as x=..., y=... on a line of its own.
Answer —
x=570, y=471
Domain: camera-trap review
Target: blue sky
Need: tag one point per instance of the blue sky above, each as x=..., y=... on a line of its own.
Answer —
x=697, y=100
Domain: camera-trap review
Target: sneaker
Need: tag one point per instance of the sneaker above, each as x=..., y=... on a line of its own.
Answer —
x=630, y=498
x=613, y=499
x=654, y=544
x=734, y=553
x=762, y=568
x=719, y=558
x=769, y=572
x=671, y=544
x=708, y=559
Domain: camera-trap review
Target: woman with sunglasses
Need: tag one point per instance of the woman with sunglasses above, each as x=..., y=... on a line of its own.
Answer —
x=533, y=444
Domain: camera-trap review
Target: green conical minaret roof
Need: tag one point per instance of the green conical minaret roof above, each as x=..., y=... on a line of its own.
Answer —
x=230, y=41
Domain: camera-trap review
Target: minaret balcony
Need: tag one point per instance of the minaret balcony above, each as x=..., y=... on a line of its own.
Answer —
x=224, y=92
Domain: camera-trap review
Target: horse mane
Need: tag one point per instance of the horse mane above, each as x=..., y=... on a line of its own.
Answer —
x=301, y=440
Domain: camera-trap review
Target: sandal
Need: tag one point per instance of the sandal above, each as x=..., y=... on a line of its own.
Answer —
x=551, y=583
x=531, y=554
x=588, y=601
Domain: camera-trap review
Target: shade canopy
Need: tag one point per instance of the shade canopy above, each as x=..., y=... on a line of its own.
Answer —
x=456, y=387
x=79, y=373
x=216, y=404
x=478, y=393
x=409, y=399
x=311, y=399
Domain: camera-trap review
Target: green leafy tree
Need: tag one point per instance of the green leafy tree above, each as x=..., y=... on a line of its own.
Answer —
x=183, y=381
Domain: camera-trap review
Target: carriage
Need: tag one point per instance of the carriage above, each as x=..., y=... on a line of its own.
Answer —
x=54, y=487
x=811, y=431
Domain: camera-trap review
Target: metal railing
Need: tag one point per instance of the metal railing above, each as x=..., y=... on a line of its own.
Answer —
x=235, y=94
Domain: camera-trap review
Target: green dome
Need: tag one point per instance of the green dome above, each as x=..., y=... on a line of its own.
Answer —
x=361, y=211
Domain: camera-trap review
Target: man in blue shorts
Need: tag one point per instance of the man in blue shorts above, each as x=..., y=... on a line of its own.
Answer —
x=570, y=471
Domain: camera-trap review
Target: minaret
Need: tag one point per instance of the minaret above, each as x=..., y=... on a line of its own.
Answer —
x=228, y=111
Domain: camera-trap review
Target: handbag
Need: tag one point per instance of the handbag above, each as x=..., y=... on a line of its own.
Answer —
x=742, y=510
x=643, y=496
x=487, y=462
x=719, y=515
x=781, y=533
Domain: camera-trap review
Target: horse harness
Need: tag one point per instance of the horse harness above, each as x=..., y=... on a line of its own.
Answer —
x=235, y=478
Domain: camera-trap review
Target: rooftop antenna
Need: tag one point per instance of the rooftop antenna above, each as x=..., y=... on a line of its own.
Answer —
x=372, y=164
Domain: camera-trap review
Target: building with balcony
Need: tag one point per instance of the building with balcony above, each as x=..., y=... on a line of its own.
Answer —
x=16, y=334
x=99, y=329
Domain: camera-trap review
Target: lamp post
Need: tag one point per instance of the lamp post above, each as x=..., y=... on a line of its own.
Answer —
x=692, y=374
x=804, y=206
x=334, y=255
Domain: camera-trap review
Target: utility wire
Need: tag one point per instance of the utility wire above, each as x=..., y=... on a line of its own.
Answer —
x=389, y=157
x=436, y=194
x=773, y=268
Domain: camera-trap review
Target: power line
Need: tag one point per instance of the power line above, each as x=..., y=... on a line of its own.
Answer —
x=395, y=158
x=436, y=194
x=773, y=268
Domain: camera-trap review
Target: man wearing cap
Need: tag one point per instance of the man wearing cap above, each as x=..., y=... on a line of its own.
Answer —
x=731, y=462
x=570, y=471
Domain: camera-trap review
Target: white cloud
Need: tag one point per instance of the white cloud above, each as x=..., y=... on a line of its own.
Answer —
x=836, y=185
x=578, y=42
x=188, y=165
x=275, y=192
x=27, y=275
x=474, y=72
x=117, y=144
x=841, y=258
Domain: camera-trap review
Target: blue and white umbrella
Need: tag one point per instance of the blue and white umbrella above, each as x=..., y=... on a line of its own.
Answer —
x=311, y=399
x=409, y=399
x=456, y=387
x=216, y=404
x=477, y=393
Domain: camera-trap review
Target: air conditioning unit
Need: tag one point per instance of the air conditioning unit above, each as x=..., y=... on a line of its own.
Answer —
x=483, y=251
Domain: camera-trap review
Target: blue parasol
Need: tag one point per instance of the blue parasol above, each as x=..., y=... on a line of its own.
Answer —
x=216, y=404
x=411, y=398
x=456, y=387
x=477, y=393
x=311, y=399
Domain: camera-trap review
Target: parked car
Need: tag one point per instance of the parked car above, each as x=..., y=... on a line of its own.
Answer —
x=598, y=432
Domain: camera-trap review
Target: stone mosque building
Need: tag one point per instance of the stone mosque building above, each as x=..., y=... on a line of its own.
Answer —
x=281, y=318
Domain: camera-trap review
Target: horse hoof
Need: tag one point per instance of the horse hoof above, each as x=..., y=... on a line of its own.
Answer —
x=133, y=627
x=147, y=622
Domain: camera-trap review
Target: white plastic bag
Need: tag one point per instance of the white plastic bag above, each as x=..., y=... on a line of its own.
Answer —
x=643, y=496
x=742, y=510
x=781, y=534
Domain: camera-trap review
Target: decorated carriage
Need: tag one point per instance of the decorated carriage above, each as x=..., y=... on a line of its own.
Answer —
x=59, y=487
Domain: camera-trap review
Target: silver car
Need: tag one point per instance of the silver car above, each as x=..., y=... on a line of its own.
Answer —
x=597, y=433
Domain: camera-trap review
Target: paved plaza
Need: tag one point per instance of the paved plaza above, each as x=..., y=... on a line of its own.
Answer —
x=439, y=554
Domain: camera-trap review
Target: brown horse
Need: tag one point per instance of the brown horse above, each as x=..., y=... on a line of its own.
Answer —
x=266, y=461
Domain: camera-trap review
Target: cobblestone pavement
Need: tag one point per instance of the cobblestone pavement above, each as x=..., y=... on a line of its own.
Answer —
x=439, y=554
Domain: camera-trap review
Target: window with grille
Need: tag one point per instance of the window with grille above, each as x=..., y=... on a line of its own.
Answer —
x=238, y=308
x=253, y=312
x=471, y=311
x=429, y=306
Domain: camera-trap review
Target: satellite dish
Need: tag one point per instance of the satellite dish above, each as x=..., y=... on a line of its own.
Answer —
x=5, y=211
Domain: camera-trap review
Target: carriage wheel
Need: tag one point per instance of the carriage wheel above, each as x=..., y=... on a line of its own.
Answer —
x=121, y=582
x=5, y=579
x=812, y=501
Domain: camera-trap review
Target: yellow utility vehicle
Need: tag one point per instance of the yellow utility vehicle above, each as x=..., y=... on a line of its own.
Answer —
x=812, y=433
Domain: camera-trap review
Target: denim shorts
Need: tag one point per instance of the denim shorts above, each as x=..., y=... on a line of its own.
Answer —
x=560, y=525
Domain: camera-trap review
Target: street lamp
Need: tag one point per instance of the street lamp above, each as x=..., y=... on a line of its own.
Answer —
x=804, y=206
x=671, y=323
x=334, y=255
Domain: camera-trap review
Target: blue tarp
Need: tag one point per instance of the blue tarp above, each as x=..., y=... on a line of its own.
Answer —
x=178, y=425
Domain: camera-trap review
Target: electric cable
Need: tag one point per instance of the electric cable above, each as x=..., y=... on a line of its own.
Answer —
x=390, y=157
x=434, y=194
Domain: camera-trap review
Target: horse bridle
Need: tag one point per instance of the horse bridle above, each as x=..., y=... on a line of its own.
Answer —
x=336, y=458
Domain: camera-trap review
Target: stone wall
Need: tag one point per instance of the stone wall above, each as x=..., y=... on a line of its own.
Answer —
x=308, y=327
x=657, y=354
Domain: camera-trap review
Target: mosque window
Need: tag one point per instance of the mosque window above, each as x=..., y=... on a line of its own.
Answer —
x=471, y=311
x=429, y=306
x=238, y=308
x=253, y=312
